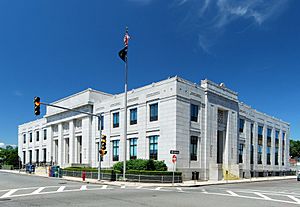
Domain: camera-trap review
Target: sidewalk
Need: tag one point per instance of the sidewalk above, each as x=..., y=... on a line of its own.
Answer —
x=190, y=183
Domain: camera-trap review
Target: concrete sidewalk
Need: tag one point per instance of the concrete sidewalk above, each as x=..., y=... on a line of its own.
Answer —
x=190, y=183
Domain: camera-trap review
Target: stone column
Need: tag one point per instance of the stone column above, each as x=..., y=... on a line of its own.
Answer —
x=71, y=141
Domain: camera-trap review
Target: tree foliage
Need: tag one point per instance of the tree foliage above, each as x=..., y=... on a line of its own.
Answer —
x=294, y=148
x=9, y=156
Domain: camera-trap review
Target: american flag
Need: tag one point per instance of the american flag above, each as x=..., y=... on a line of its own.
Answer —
x=126, y=38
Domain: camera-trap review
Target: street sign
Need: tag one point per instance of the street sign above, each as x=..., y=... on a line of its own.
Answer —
x=174, y=152
x=174, y=158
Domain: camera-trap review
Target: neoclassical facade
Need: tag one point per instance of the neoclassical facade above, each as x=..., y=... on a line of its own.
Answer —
x=216, y=134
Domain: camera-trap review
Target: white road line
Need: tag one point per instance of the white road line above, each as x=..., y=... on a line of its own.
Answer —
x=139, y=187
x=37, y=191
x=9, y=193
x=263, y=196
x=158, y=188
x=83, y=187
x=61, y=189
x=232, y=193
x=104, y=187
x=294, y=198
x=180, y=189
x=123, y=186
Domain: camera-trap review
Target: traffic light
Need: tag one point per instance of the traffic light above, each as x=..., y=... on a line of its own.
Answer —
x=37, y=105
x=103, y=145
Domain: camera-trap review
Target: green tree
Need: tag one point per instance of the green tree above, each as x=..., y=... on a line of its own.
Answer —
x=294, y=148
x=9, y=156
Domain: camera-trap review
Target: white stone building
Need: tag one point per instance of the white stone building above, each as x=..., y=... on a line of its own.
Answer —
x=216, y=134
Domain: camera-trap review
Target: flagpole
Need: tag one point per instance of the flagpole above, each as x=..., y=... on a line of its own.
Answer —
x=125, y=113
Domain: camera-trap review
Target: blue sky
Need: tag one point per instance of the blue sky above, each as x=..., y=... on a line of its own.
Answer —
x=53, y=49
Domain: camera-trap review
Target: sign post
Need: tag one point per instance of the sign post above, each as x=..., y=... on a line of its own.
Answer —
x=174, y=159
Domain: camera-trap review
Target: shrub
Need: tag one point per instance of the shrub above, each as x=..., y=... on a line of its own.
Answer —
x=140, y=164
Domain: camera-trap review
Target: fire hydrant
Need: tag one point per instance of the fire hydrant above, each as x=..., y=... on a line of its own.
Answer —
x=83, y=175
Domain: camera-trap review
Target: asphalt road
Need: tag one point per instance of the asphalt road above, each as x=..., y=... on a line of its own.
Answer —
x=23, y=190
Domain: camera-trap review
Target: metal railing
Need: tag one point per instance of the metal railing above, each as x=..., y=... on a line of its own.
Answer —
x=129, y=177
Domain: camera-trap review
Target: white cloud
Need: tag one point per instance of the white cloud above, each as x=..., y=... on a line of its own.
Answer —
x=213, y=16
x=18, y=93
x=2, y=145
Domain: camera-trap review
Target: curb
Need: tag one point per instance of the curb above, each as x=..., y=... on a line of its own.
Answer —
x=102, y=182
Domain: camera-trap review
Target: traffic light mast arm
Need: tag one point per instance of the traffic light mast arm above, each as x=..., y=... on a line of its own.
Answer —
x=78, y=111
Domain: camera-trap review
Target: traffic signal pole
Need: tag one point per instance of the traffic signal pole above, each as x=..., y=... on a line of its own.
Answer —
x=99, y=124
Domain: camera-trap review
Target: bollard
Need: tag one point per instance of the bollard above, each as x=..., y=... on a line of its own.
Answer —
x=83, y=175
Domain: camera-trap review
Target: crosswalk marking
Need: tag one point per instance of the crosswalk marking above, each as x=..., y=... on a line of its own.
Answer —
x=180, y=189
x=9, y=193
x=263, y=196
x=61, y=189
x=232, y=193
x=294, y=198
x=158, y=188
x=123, y=186
x=37, y=191
x=83, y=187
x=104, y=187
x=139, y=187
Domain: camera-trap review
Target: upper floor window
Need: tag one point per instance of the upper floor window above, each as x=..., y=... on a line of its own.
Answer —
x=116, y=120
x=133, y=116
x=251, y=129
x=45, y=134
x=24, y=138
x=269, y=139
x=30, y=137
x=154, y=112
x=153, y=147
x=193, y=148
x=37, y=136
x=260, y=135
x=242, y=123
x=276, y=138
x=194, y=112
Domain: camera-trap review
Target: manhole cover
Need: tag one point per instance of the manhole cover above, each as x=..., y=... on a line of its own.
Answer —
x=5, y=199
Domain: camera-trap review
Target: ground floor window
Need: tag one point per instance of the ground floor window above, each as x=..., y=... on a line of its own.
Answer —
x=115, y=144
x=193, y=148
x=241, y=149
x=153, y=145
x=259, y=154
x=133, y=148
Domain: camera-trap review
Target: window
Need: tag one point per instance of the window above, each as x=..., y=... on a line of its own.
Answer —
x=37, y=160
x=30, y=137
x=116, y=150
x=133, y=116
x=241, y=149
x=259, y=154
x=154, y=112
x=259, y=143
x=242, y=123
x=193, y=148
x=37, y=136
x=194, y=112
x=283, y=146
x=251, y=145
x=153, y=145
x=133, y=148
x=45, y=134
x=276, y=146
x=45, y=155
x=24, y=138
x=116, y=120
x=269, y=139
